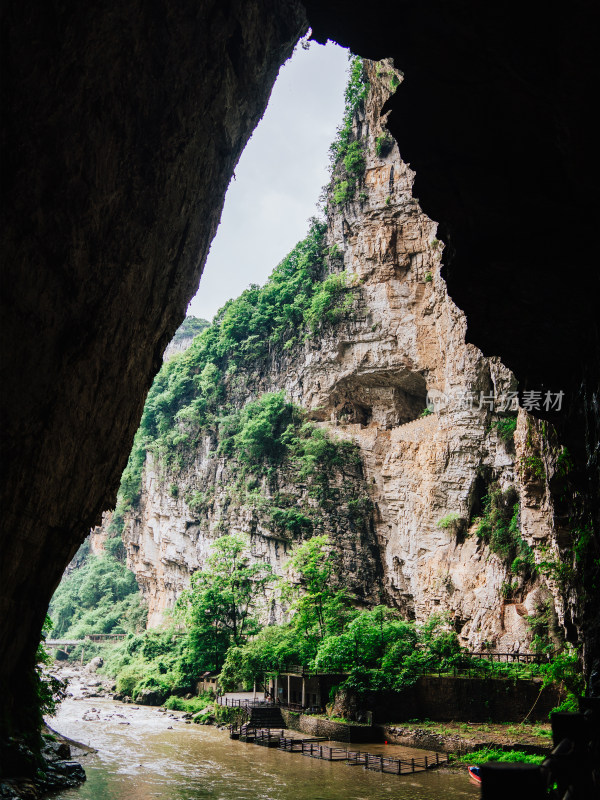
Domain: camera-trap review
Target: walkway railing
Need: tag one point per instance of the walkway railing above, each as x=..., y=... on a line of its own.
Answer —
x=469, y=660
x=235, y=702
x=313, y=747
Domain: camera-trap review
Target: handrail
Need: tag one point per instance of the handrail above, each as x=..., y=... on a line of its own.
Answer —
x=482, y=655
x=236, y=702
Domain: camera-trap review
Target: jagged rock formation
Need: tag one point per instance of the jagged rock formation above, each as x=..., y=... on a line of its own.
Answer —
x=366, y=379
x=121, y=126
x=171, y=536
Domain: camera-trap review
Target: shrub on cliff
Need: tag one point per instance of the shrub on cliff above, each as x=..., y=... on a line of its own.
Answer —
x=102, y=596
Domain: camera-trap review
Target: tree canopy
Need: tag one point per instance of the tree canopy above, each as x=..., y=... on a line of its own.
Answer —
x=219, y=608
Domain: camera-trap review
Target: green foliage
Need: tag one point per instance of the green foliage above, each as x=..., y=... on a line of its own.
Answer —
x=565, y=669
x=539, y=623
x=354, y=160
x=564, y=462
x=49, y=689
x=102, y=596
x=428, y=277
x=158, y=660
x=499, y=529
x=356, y=90
x=269, y=651
x=583, y=538
x=219, y=607
x=508, y=589
x=191, y=326
x=383, y=144
x=394, y=82
x=114, y=548
x=556, y=569
x=495, y=754
x=506, y=427
x=382, y=651
x=317, y=604
x=330, y=301
x=255, y=434
x=343, y=191
x=192, y=706
x=451, y=520
x=347, y=156
x=187, y=397
x=291, y=520
x=534, y=466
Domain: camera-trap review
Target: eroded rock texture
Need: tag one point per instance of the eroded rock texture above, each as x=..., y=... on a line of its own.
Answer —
x=365, y=378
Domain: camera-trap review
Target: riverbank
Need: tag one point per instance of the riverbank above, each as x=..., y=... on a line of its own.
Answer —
x=56, y=768
x=143, y=751
x=467, y=737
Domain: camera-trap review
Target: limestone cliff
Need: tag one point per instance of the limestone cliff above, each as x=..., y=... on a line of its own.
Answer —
x=394, y=376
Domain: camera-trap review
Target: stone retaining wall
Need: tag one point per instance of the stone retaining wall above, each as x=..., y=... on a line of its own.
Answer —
x=414, y=736
x=338, y=731
x=455, y=699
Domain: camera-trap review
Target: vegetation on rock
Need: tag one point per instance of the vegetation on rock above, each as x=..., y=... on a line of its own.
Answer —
x=101, y=596
x=190, y=327
x=328, y=632
x=188, y=396
x=499, y=528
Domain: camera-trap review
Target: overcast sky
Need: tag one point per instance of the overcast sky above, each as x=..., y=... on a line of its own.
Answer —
x=279, y=177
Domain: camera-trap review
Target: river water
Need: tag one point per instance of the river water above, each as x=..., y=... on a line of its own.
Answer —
x=144, y=754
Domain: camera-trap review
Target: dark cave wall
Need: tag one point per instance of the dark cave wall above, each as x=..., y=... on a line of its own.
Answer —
x=495, y=115
x=121, y=126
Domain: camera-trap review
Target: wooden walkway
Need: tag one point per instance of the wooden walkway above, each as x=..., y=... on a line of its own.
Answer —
x=313, y=747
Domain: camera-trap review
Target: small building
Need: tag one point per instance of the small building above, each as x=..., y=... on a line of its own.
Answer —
x=302, y=689
x=208, y=682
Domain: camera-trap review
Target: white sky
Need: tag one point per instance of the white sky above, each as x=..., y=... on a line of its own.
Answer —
x=278, y=178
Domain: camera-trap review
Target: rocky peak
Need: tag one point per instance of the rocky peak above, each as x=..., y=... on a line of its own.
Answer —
x=393, y=375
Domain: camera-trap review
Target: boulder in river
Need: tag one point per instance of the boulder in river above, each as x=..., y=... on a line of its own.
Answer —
x=150, y=697
x=95, y=664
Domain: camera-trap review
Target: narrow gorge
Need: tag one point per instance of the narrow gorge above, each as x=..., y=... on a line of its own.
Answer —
x=434, y=486
x=409, y=407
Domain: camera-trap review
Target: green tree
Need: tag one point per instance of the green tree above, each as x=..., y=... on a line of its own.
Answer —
x=320, y=605
x=220, y=605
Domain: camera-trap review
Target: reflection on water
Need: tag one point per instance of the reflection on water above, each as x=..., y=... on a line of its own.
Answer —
x=144, y=754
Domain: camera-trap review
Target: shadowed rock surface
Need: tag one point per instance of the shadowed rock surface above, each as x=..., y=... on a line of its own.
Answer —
x=121, y=128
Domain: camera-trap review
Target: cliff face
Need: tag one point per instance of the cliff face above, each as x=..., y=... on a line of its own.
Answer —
x=367, y=379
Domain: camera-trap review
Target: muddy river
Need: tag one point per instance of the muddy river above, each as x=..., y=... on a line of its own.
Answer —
x=142, y=753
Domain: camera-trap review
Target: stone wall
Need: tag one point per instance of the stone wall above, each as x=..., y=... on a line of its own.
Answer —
x=336, y=731
x=456, y=699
